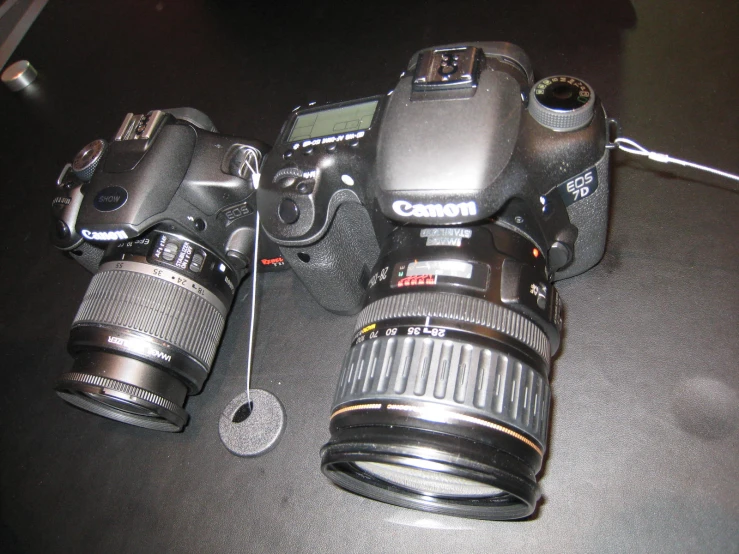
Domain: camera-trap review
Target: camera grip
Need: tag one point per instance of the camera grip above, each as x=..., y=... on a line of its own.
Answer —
x=336, y=269
x=590, y=216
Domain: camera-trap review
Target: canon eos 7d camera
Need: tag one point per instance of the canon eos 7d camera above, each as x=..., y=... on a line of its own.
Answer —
x=482, y=187
x=164, y=214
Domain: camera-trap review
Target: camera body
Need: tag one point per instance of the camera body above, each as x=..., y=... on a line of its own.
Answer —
x=165, y=169
x=444, y=210
x=164, y=215
x=465, y=136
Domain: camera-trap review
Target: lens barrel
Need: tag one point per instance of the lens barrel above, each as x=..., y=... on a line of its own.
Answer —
x=443, y=400
x=147, y=331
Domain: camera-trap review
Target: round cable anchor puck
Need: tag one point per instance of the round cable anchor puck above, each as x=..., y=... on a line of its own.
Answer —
x=252, y=428
x=19, y=75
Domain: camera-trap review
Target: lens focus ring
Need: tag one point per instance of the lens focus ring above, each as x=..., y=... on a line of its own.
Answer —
x=155, y=307
x=471, y=384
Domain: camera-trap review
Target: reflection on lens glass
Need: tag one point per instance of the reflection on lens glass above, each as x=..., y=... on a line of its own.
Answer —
x=121, y=405
x=431, y=483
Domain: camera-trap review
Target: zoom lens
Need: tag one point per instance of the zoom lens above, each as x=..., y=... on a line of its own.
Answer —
x=443, y=400
x=148, y=330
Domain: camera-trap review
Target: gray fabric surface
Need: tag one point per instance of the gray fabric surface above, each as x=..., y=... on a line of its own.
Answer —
x=644, y=442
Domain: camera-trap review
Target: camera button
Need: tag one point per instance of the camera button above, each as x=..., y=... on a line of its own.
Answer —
x=197, y=263
x=354, y=143
x=288, y=154
x=305, y=187
x=559, y=256
x=170, y=251
x=331, y=148
x=288, y=211
x=62, y=230
x=307, y=151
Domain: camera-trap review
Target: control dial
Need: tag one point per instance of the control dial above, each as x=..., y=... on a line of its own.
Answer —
x=562, y=103
x=287, y=176
x=86, y=160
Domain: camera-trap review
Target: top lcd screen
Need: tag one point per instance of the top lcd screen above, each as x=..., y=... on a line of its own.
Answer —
x=334, y=121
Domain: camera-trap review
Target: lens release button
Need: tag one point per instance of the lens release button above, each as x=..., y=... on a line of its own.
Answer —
x=559, y=256
x=288, y=211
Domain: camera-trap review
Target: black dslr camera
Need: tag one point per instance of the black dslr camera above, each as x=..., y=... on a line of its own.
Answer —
x=164, y=215
x=481, y=187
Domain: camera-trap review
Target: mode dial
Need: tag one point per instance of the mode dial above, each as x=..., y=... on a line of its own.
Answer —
x=86, y=160
x=562, y=103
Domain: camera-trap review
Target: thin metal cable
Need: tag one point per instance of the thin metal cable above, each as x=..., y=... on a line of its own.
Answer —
x=253, y=310
x=256, y=173
x=632, y=147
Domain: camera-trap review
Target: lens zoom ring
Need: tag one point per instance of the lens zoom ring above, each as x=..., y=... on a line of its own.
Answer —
x=465, y=309
x=125, y=388
x=155, y=307
x=448, y=375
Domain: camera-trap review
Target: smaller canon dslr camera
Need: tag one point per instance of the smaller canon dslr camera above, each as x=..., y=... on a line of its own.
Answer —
x=164, y=215
x=444, y=210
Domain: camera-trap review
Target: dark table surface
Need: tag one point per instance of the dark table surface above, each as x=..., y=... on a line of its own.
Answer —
x=644, y=443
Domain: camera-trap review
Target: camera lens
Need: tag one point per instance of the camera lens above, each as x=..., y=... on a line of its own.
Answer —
x=148, y=330
x=443, y=400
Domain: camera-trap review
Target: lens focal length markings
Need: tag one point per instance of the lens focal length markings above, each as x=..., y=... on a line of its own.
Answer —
x=169, y=276
x=449, y=330
x=458, y=312
x=187, y=261
x=375, y=330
